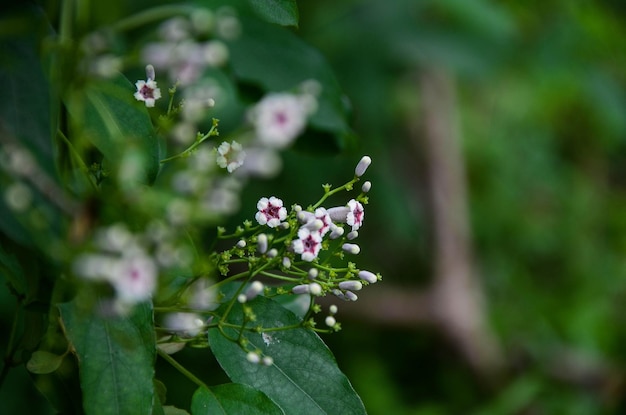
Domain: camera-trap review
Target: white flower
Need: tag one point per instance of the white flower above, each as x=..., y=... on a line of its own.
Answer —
x=271, y=211
x=356, y=214
x=183, y=324
x=147, y=91
x=308, y=244
x=279, y=118
x=230, y=156
x=135, y=278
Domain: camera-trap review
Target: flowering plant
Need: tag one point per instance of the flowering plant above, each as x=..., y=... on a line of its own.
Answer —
x=115, y=196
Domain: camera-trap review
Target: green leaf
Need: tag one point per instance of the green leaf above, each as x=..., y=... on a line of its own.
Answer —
x=42, y=362
x=275, y=59
x=172, y=410
x=107, y=114
x=232, y=398
x=12, y=270
x=116, y=357
x=282, y=12
x=304, y=378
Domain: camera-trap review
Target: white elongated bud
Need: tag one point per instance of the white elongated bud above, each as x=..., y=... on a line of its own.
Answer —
x=254, y=289
x=330, y=321
x=150, y=72
x=261, y=241
x=253, y=357
x=351, y=296
x=315, y=289
x=286, y=262
x=301, y=289
x=362, y=166
x=304, y=216
x=338, y=214
x=272, y=253
x=353, y=249
x=241, y=244
x=336, y=231
x=367, y=186
x=368, y=276
x=352, y=235
x=350, y=285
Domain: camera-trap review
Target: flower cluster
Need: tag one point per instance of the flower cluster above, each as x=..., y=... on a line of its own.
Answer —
x=299, y=249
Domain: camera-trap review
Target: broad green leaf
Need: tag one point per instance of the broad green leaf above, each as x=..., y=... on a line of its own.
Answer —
x=282, y=12
x=12, y=270
x=107, y=114
x=25, y=120
x=42, y=362
x=116, y=358
x=277, y=60
x=304, y=378
x=232, y=398
x=172, y=410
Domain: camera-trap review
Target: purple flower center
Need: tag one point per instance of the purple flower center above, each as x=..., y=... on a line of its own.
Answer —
x=272, y=211
x=146, y=92
x=309, y=244
x=280, y=118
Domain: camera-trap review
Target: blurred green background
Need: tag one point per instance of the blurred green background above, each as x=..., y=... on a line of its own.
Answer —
x=497, y=131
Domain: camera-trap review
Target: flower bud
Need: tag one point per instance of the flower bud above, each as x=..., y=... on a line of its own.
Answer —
x=262, y=243
x=351, y=296
x=330, y=321
x=368, y=276
x=253, y=357
x=272, y=253
x=362, y=166
x=336, y=232
x=350, y=285
x=353, y=249
x=366, y=187
x=313, y=273
x=241, y=244
x=241, y=298
x=254, y=289
x=352, y=235
x=301, y=289
x=338, y=213
x=332, y=310
x=286, y=262
x=315, y=289
x=150, y=72
x=267, y=361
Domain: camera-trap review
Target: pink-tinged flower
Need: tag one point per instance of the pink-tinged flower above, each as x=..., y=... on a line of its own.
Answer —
x=271, y=211
x=279, y=118
x=147, y=91
x=308, y=244
x=230, y=156
x=135, y=278
x=356, y=214
x=319, y=221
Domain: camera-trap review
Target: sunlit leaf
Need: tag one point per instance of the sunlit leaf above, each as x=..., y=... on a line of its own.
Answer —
x=304, y=378
x=42, y=362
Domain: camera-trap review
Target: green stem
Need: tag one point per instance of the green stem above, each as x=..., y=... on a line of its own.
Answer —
x=181, y=369
x=336, y=190
x=150, y=15
x=79, y=160
x=186, y=153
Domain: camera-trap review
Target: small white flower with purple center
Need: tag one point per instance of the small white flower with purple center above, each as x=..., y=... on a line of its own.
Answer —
x=279, y=118
x=356, y=214
x=230, y=156
x=135, y=278
x=147, y=90
x=308, y=244
x=271, y=211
